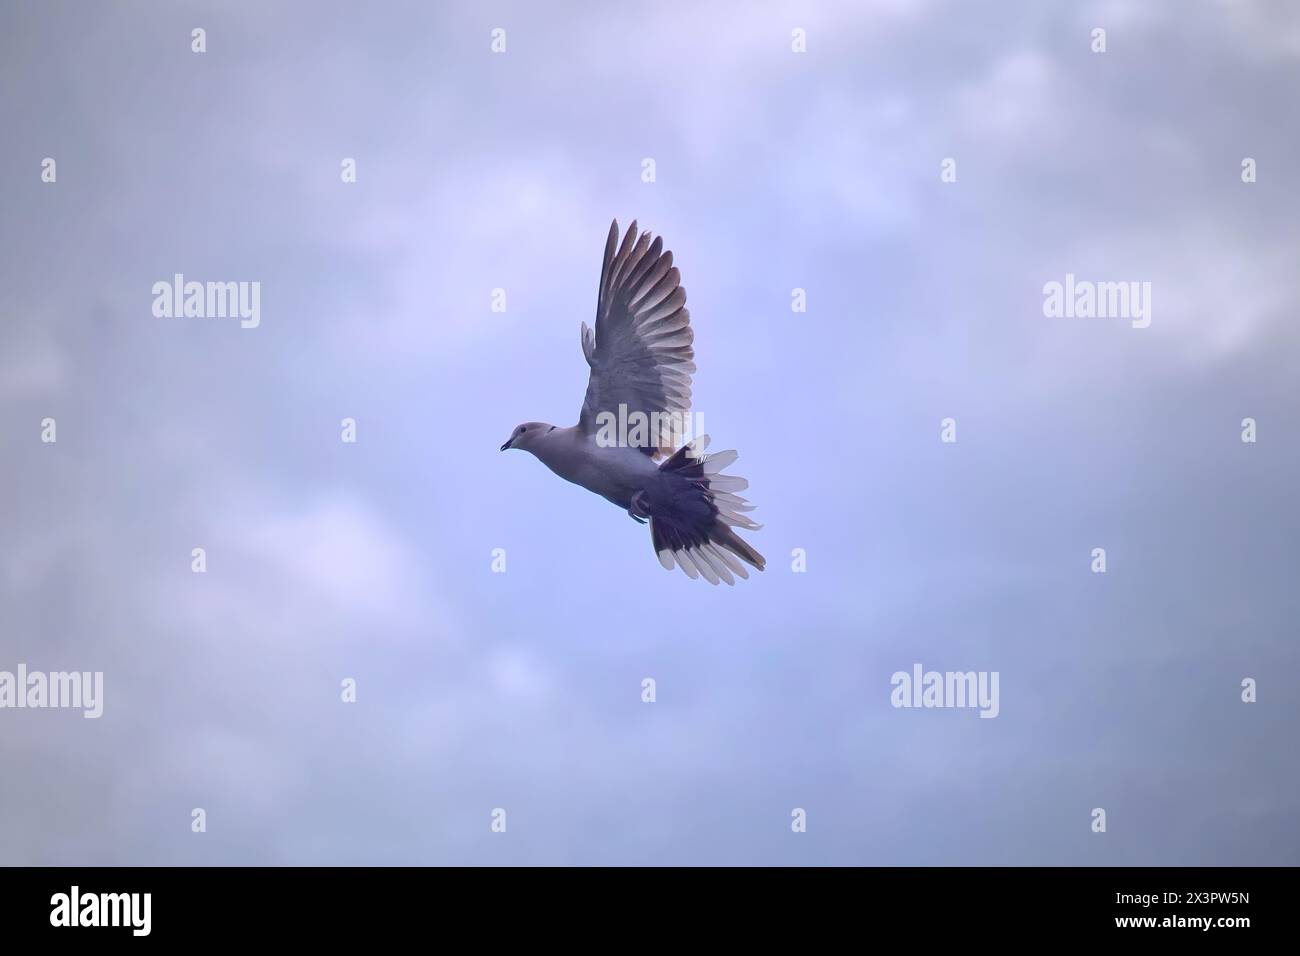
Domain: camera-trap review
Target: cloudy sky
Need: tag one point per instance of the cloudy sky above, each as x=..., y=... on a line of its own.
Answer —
x=775, y=170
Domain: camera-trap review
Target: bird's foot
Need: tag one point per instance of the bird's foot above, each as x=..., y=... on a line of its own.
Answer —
x=637, y=510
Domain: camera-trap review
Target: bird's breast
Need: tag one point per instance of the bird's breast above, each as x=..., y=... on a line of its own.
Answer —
x=613, y=473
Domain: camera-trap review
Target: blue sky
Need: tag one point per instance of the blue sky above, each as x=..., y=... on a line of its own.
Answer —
x=522, y=690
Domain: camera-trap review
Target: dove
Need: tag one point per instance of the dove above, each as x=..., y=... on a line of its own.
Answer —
x=642, y=360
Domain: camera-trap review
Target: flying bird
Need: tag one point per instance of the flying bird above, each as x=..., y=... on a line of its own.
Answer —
x=641, y=361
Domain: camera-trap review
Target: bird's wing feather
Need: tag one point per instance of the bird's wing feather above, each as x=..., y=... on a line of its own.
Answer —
x=640, y=352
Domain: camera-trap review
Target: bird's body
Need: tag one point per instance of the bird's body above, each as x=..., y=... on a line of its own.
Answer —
x=640, y=356
x=615, y=473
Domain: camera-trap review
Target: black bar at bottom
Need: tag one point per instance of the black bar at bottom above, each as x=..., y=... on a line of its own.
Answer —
x=333, y=905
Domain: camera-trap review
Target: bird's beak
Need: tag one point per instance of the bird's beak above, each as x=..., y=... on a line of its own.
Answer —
x=507, y=444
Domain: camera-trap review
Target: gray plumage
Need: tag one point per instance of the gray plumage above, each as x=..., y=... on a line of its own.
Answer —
x=641, y=359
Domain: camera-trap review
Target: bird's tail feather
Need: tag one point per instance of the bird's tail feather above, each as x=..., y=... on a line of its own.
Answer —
x=695, y=530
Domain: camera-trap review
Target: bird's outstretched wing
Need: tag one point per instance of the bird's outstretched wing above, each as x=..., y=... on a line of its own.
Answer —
x=640, y=353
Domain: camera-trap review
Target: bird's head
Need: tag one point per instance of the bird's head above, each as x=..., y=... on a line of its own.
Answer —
x=527, y=435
